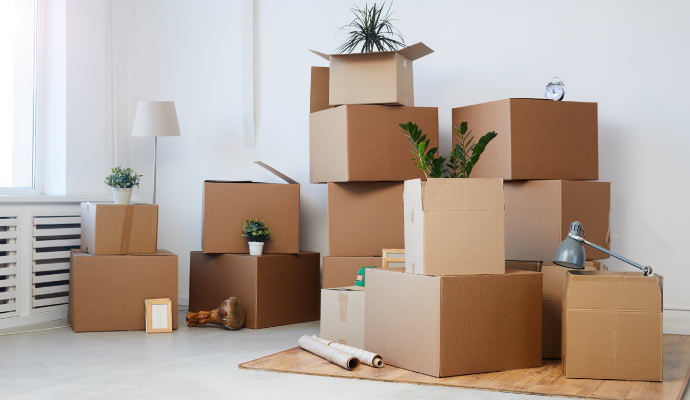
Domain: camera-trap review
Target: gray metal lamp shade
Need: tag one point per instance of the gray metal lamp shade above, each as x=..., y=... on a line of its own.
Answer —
x=571, y=252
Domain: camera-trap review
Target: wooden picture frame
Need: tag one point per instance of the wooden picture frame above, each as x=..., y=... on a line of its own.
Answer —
x=158, y=315
x=386, y=257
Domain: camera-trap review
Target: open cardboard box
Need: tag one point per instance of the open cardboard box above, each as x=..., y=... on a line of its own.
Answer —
x=454, y=226
x=454, y=325
x=227, y=204
x=119, y=228
x=342, y=315
x=274, y=289
x=538, y=216
x=613, y=326
x=365, y=217
x=537, y=138
x=383, y=77
x=356, y=143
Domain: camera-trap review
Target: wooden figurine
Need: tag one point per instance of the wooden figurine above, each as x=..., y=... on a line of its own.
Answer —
x=229, y=314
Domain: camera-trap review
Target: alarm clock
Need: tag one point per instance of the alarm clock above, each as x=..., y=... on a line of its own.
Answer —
x=554, y=90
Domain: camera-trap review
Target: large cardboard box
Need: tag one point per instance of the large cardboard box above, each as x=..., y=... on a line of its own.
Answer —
x=454, y=226
x=537, y=139
x=454, y=325
x=274, y=289
x=613, y=326
x=342, y=315
x=365, y=143
x=538, y=216
x=383, y=77
x=107, y=292
x=119, y=228
x=228, y=204
x=365, y=217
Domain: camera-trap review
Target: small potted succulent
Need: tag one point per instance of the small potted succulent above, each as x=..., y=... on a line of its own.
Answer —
x=122, y=180
x=257, y=233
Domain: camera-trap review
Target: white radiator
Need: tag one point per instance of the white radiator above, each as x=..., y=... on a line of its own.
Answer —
x=35, y=244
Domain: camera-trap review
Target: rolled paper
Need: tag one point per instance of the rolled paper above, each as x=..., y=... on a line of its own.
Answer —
x=327, y=352
x=365, y=357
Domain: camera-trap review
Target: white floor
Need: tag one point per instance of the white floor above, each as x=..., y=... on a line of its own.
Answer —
x=192, y=363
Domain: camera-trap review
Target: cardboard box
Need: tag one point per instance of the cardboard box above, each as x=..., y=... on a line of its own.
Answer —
x=537, y=266
x=365, y=217
x=338, y=272
x=365, y=143
x=454, y=325
x=612, y=326
x=342, y=315
x=454, y=226
x=318, y=100
x=275, y=289
x=107, y=292
x=228, y=204
x=382, y=77
x=537, y=139
x=538, y=216
x=119, y=228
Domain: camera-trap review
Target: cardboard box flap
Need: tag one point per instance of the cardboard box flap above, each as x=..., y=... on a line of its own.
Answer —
x=347, y=289
x=318, y=97
x=267, y=167
x=447, y=194
x=413, y=52
x=619, y=291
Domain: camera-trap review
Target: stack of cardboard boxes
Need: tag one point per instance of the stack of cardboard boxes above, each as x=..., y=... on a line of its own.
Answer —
x=118, y=267
x=358, y=149
x=279, y=287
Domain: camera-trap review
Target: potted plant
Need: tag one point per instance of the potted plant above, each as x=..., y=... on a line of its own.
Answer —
x=257, y=233
x=122, y=180
x=371, y=30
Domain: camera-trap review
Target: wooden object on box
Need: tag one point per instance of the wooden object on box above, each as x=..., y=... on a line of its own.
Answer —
x=230, y=314
x=547, y=380
x=386, y=257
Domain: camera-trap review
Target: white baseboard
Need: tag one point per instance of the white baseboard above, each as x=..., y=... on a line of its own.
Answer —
x=31, y=319
x=677, y=321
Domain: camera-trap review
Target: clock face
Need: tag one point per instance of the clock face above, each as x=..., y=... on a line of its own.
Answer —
x=554, y=92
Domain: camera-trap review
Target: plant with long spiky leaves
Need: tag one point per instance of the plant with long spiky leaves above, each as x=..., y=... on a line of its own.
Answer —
x=425, y=157
x=465, y=154
x=371, y=30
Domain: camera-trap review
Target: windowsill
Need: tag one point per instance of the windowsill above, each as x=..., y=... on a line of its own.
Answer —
x=39, y=198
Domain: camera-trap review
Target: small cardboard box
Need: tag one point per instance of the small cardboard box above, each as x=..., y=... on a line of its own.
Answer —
x=365, y=143
x=275, y=289
x=340, y=272
x=383, y=77
x=539, y=213
x=365, y=217
x=537, y=139
x=612, y=326
x=454, y=325
x=454, y=226
x=119, y=228
x=342, y=315
x=524, y=265
x=107, y=292
x=228, y=204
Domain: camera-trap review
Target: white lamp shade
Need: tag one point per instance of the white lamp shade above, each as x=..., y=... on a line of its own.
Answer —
x=156, y=118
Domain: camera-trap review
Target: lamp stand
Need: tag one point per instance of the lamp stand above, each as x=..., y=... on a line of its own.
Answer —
x=646, y=270
x=155, y=160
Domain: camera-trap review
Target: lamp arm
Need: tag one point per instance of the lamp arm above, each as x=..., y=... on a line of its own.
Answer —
x=645, y=269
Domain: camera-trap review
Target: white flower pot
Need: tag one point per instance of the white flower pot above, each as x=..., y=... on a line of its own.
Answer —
x=256, y=248
x=122, y=196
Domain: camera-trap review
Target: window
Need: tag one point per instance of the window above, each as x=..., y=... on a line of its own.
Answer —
x=17, y=95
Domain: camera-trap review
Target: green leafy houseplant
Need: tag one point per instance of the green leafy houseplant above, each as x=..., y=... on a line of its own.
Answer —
x=463, y=157
x=371, y=30
x=256, y=231
x=122, y=178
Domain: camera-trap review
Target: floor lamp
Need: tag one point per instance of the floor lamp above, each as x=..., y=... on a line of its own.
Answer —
x=155, y=118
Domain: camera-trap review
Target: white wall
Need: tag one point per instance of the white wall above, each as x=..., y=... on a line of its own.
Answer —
x=626, y=55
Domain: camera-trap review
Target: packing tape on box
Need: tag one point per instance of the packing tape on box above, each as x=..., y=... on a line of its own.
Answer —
x=126, y=229
x=329, y=353
x=342, y=300
x=365, y=357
